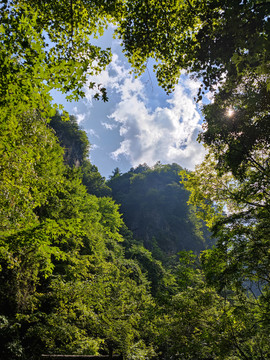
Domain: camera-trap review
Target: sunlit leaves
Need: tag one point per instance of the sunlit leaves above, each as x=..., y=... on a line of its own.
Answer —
x=161, y=30
x=198, y=36
x=46, y=46
x=27, y=147
x=60, y=260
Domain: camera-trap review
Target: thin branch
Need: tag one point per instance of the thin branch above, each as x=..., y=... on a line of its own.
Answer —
x=72, y=22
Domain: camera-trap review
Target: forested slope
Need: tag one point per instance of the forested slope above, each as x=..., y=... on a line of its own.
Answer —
x=154, y=207
x=76, y=147
x=66, y=286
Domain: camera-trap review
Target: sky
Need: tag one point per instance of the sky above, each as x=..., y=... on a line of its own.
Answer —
x=140, y=123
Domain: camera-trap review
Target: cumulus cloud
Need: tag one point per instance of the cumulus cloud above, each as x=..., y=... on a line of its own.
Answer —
x=165, y=133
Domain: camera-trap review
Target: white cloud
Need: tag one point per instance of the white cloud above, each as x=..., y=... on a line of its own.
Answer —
x=165, y=133
x=108, y=126
x=94, y=146
x=80, y=117
x=111, y=78
x=92, y=132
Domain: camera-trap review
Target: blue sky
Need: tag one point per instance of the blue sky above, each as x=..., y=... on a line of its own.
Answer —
x=140, y=123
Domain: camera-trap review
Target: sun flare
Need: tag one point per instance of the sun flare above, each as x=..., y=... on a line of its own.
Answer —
x=230, y=112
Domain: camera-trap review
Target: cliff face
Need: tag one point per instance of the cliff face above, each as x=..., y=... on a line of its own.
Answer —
x=72, y=139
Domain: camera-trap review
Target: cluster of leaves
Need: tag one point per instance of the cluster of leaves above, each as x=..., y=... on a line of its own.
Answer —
x=46, y=46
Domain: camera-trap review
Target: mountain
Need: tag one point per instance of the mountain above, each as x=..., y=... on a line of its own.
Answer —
x=154, y=207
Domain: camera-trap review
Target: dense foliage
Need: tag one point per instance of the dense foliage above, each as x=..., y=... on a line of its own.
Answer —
x=213, y=39
x=67, y=283
x=231, y=187
x=61, y=265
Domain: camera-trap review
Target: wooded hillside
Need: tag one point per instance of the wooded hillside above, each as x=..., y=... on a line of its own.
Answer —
x=154, y=207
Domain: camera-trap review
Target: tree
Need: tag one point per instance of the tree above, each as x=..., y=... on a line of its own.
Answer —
x=208, y=38
x=93, y=181
x=116, y=173
x=198, y=322
x=61, y=264
x=189, y=325
x=63, y=64
x=237, y=211
x=27, y=147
